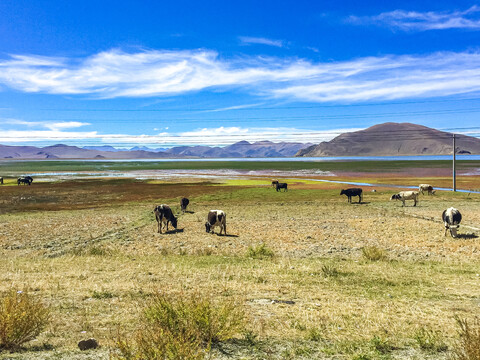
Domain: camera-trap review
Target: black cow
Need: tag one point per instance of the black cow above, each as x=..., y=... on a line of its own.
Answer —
x=216, y=218
x=27, y=180
x=1, y=180
x=280, y=186
x=352, y=192
x=274, y=183
x=164, y=214
x=451, y=219
x=184, y=203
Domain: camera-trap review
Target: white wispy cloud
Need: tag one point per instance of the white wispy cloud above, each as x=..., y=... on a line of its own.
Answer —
x=235, y=107
x=423, y=21
x=169, y=73
x=64, y=125
x=219, y=136
x=248, y=40
x=45, y=124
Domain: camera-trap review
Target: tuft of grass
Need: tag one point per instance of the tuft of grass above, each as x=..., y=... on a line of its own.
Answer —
x=102, y=294
x=429, y=340
x=314, y=334
x=330, y=271
x=206, y=251
x=181, y=327
x=22, y=318
x=468, y=348
x=260, y=251
x=381, y=345
x=373, y=253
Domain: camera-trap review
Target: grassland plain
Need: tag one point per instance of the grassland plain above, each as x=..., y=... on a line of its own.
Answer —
x=89, y=250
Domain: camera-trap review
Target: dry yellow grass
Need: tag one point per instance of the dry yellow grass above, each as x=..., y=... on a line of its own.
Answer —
x=96, y=264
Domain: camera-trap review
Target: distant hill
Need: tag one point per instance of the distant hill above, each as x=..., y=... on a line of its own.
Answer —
x=240, y=149
x=391, y=139
x=61, y=151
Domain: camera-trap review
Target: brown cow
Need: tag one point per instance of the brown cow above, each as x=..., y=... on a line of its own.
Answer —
x=164, y=214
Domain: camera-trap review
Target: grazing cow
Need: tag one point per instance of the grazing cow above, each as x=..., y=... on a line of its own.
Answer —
x=280, y=186
x=1, y=180
x=406, y=195
x=451, y=219
x=274, y=183
x=164, y=214
x=216, y=218
x=184, y=203
x=24, y=180
x=426, y=187
x=352, y=192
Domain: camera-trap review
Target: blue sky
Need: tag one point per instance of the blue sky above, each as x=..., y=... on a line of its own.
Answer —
x=162, y=73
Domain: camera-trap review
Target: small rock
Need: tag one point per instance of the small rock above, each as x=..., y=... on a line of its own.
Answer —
x=88, y=344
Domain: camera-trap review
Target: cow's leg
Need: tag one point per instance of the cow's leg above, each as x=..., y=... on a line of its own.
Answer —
x=225, y=228
x=403, y=202
x=359, y=199
x=414, y=202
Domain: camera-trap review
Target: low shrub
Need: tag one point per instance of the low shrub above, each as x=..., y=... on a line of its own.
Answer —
x=429, y=340
x=22, y=318
x=259, y=252
x=181, y=327
x=330, y=271
x=468, y=348
x=373, y=253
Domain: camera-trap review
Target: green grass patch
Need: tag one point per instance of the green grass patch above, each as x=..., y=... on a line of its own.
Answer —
x=19, y=166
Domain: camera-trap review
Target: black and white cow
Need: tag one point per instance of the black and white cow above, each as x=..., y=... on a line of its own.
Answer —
x=426, y=187
x=451, y=219
x=280, y=186
x=352, y=192
x=216, y=218
x=406, y=195
x=164, y=214
x=184, y=203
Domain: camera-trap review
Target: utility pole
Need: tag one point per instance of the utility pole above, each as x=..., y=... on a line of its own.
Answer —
x=454, y=172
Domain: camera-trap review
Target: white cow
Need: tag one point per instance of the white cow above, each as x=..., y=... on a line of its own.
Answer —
x=426, y=187
x=406, y=195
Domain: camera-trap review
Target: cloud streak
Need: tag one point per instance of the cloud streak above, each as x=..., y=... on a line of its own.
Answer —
x=423, y=21
x=116, y=74
x=220, y=136
x=248, y=40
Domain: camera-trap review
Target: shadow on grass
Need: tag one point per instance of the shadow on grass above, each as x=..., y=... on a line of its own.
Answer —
x=467, y=236
x=173, y=231
x=223, y=235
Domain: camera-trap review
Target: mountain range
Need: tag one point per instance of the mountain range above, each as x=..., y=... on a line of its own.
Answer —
x=390, y=139
x=239, y=149
x=387, y=139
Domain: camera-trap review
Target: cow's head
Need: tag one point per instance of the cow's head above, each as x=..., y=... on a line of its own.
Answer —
x=342, y=192
x=207, y=227
x=174, y=222
x=453, y=230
